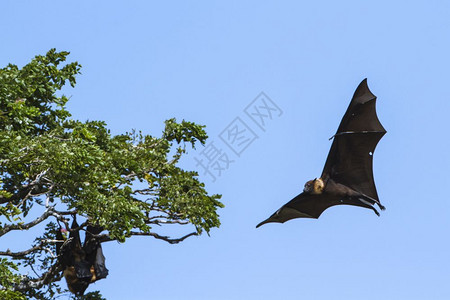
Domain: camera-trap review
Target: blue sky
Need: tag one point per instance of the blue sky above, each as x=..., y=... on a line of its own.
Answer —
x=205, y=61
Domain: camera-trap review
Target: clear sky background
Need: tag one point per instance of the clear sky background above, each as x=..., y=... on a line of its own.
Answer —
x=205, y=61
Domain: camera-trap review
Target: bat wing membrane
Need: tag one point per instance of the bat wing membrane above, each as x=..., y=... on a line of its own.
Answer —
x=302, y=206
x=349, y=161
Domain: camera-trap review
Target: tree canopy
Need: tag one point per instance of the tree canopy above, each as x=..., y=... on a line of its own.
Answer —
x=53, y=168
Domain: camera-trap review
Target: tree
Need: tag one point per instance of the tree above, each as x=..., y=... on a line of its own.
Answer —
x=53, y=168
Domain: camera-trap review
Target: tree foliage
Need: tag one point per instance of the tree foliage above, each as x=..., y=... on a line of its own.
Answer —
x=53, y=168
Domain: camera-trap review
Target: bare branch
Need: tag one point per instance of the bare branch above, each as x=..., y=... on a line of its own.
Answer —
x=48, y=212
x=59, y=216
x=159, y=221
x=107, y=238
x=38, y=247
x=146, y=192
x=129, y=176
x=36, y=283
x=25, y=191
x=165, y=238
x=8, y=228
x=36, y=180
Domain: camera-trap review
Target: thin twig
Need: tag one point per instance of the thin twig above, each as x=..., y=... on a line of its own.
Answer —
x=107, y=238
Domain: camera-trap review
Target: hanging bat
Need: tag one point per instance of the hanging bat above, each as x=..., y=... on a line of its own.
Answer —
x=73, y=260
x=347, y=177
x=81, y=265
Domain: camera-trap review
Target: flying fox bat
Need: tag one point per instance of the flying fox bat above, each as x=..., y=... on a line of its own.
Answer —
x=347, y=177
x=81, y=265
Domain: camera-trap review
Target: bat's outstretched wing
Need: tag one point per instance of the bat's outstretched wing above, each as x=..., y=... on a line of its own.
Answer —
x=310, y=206
x=349, y=161
x=303, y=206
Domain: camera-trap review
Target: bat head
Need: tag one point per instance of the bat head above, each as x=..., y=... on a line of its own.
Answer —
x=314, y=186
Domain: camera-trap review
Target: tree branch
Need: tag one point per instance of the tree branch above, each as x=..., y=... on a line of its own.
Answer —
x=107, y=238
x=165, y=238
x=155, y=220
x=25, y=191
x=36, y=283
x=33, y=249
x=48, y=212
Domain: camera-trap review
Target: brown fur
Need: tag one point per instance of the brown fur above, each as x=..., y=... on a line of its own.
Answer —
x=314, y=187
x=318, y=186
x=75, y=285
x=94, y=277
x=340, y=189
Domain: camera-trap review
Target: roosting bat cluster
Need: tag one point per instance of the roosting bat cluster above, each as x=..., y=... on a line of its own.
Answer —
x=81, y=264
x=347, y=177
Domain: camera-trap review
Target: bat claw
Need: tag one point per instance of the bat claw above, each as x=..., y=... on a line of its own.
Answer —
x=375, y=211
x=369, y=205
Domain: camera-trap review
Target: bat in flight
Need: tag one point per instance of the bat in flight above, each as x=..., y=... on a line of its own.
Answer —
x=347, y=177
x=82, y=264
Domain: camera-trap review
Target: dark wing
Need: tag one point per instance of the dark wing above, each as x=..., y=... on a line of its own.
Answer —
x=75, y=234
x=77, y=254
x=60, y=238
x=349, y=161
x=94, y=252
x=303, y=206
x=91, y=243
x=100, y=268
